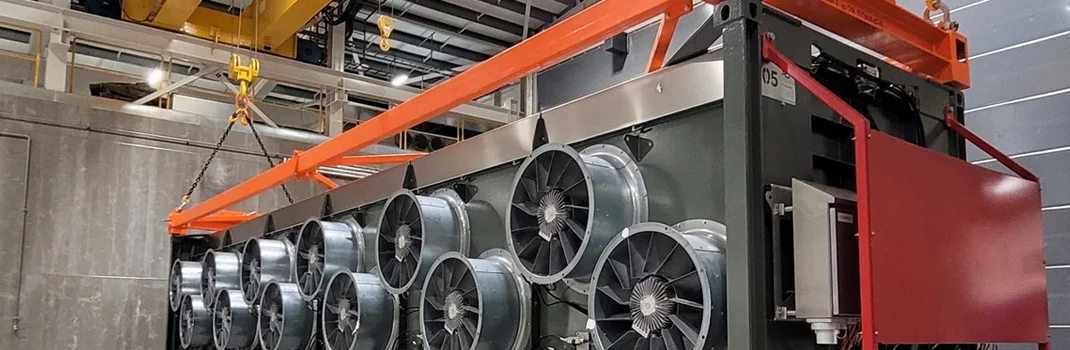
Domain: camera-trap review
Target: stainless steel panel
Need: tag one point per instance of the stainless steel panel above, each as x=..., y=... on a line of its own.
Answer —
x=815, y=248
x=648, y=98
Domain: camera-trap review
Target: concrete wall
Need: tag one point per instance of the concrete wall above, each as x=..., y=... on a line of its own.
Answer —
x=95, y=254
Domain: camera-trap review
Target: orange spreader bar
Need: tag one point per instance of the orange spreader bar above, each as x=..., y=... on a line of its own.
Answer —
x=561, y=41
x=218, y=221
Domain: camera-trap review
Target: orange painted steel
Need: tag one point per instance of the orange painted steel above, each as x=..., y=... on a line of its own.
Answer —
x=555, y=44
x=665, y=33
x=893, y=31
x=376, y=159
x=323, y=180
x=218, y=221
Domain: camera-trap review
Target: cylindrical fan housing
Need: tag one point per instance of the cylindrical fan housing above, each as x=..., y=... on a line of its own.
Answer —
x=657, y=286
x=233, y=321
x=566, y=206
x=195, y=322
x=286, y=319
x=477, y=303
x=325, y=248
x=219, y=271
x=185, y=280
x=414, y=231
x=265, y=260
x=358, y=313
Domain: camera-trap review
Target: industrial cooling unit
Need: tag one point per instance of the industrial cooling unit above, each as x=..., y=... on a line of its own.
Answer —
x=358, y=313
x=219, y=271
x=195, y=322
x=814, y=166
x=415, y=230
x=471, y=304
x=325, y=248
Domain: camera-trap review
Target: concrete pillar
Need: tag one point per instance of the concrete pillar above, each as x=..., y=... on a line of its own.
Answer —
x=56, y=65
x=337, y=99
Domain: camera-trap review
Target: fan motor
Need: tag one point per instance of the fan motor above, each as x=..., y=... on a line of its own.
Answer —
x=413, y=231
x=661, y=287
x=567, y=205
x=475, y=303
x=325, y=248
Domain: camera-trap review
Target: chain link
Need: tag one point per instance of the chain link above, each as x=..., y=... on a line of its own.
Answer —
x=211, y=157
x=268, y=157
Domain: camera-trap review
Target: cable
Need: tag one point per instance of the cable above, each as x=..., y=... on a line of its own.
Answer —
x=558, y=300
x=538, y=342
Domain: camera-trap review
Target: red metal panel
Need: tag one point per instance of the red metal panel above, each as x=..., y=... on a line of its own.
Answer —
x=957, y=250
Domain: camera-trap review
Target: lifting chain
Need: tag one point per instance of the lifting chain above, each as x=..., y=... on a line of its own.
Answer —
x=386, y=26
x=211, y=157
x=267, y=156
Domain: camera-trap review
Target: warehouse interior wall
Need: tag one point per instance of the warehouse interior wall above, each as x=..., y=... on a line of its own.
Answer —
x=97, y=186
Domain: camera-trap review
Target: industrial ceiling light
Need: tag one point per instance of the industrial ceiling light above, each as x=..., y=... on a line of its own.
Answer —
x=399, y=79
x=155, y=77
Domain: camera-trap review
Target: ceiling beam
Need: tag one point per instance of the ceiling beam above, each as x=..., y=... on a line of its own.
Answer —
x=474, y=16
x=428, y=23
x=519, y=7
x=418, y=60
x=424, y=42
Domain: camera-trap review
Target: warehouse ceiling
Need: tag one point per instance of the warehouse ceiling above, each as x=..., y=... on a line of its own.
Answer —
x=434, y=39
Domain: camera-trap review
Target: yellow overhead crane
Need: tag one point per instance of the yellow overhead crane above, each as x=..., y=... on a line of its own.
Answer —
x=266, y=25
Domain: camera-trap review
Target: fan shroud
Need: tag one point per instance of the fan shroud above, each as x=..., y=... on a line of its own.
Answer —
x=459, y=294
x=185, y=280
x=233, y=321
x=194, y=322
x=286, y=320
x=566, y=206
x=219, y=271
x=658, y=287
x=413, y=231
x=351, y=298
x=325, y=248
x=262, y=261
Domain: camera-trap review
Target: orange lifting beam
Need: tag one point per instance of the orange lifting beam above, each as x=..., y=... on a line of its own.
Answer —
x=892, y=31
x=557, y=43
x=218, y=221
x=376, y=159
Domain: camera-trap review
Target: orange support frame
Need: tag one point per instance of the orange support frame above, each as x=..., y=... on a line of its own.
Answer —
x=218, y=221
x=878, y=25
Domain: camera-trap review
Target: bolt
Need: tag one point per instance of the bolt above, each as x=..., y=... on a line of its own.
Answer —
x=770, y=36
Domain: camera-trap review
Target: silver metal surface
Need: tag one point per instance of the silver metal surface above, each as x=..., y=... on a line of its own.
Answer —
x=185, y=280
x=286, y=320
x=219, y=271
x=484, y=294
x=615, y=198
x=325, y=248
x=641, y=100
x=439, y=233
x=358, y=313
x=523, y=288
x=815, y=233
x=195, y=322
x=234, y=321
x=653, y=315
x=263, y=261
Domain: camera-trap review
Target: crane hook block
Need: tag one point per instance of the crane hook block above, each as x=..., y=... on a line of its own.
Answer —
x=386, y=26
x=245, y=75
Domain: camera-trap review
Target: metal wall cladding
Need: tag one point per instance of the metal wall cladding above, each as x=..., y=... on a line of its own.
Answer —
x=96, y=251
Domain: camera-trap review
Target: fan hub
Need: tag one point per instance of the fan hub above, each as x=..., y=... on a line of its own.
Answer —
x=313, y=255
x=651, y=305
x=455, y=311
x=553, y=214
x=404, y=240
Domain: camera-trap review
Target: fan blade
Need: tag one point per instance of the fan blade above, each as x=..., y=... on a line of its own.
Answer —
x=635, y=260
x=542, y=258
x=556, y=257
x=619, y=317
x=620, y=297
x=530, y=189
x=685, y=302
x=333, y=308
x=464, y=340
x=569, y=164
x=620, y=270
x=664, y=260
x=574, y=185
x=469, y=325
x=578, y=230
x=459, y=278
x=569, y=248
x=528, y=208
x=626, y=341
x=689, y=333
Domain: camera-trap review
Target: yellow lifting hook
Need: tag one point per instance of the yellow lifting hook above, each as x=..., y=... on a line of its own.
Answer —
x=386, y=26
x=245, y=75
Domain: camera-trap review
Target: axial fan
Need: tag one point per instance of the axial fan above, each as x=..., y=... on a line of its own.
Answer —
x=661, y=287
x=219, y=271
x=566, y=206
x=194, y=322
x=285, y=318
x=325, y=248
x=414, y=231
x=358, y=313
x=475, y=304
x=233, y=321
x=264, y=260
x=185, y=280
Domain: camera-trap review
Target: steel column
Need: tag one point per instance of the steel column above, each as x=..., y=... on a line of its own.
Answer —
x=744, y=201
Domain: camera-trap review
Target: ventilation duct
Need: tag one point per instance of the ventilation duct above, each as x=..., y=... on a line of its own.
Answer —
x=265, y=260
x=194, y=322
x=325, y=248
x=219, y=271
x=185, y=280
x=414, y=231
x=233, y=321
x=358, y=313
x=286, y=319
